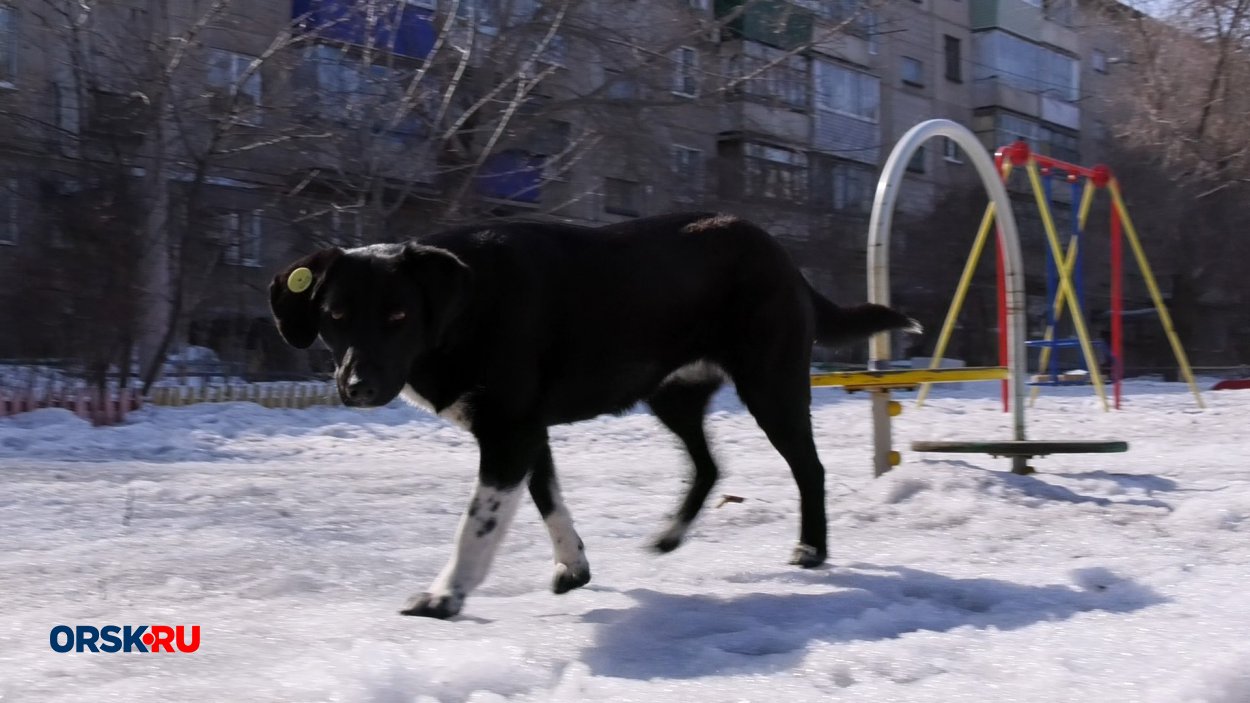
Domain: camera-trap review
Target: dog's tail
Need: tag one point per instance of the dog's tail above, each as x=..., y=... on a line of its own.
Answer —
x=836, y=325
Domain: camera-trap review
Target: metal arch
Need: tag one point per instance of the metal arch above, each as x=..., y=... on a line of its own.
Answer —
x=879, y=259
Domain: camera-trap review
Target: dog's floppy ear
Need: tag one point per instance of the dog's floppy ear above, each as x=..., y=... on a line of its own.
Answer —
x=292, y=296
x=444, y=281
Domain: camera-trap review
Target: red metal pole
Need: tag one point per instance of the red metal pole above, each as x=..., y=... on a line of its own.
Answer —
x=1117, y=303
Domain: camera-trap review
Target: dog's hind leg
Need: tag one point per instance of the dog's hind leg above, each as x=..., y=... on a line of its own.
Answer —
x=680, y=405
x=506, y=458
x=779, y=397
x=572, y=568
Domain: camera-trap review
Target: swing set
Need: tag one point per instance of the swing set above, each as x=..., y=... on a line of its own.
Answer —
x=1064, y=278
x=1064, y=292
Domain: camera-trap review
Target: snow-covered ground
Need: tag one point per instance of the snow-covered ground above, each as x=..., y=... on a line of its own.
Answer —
x=293, y=536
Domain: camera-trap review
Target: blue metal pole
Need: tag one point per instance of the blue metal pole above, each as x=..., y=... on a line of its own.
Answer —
x=1052, y=285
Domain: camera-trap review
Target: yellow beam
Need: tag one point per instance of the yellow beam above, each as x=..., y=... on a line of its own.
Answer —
x=1164, y=316
x=1069, y=264
x=961, y=290
x=908, y=378
x=1065, y=283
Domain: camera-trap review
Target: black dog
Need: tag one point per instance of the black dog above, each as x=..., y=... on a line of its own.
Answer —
x=510, y=328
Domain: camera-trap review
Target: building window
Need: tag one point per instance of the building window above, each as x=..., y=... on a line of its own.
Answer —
x=698, y=4
x=917, y=162
x=773, y=76
x=775, y=173
x=240, y=236
x=345, y=228
x=9, y=226
x=840, y=89
x=950, y=151
x=480, y=13
x=687, y=173
x=1026, y=66
x=1098, y=60
x=335, y=86
x=686, y=78
x=618, y=86
x=233, y=91
x=843, y=186
x=1060, y=11
x=912, y=71
x=1062, y=144
x=954, y=63
x=553, y=138
x=8, y=46
x=1099, y=131
x=621, y=197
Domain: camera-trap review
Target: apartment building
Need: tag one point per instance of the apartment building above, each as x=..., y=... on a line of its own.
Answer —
x=294, y=123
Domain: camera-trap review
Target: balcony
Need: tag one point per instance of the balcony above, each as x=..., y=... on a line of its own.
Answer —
x=772, y=22
x=992, y=92
x=1024, y=18
x=512, y=175
x=406, y=30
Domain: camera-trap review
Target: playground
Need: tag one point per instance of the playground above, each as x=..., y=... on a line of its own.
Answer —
x=1064, y=293
x=1084, y=542
x=289, y=534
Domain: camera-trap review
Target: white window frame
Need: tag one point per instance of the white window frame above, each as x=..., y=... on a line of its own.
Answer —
x=950, y=151
x=237, y=65
x=686, y=75
x=10, y=225
x=242, y=238
x=1098, y=60
x=850, y=187
x=622, y=88
x=775, y=77
x=345, y=226
x=688, y=186
x=919, y=162
x=8, y=47
x=484, y=14
x=906, y=63
x=776, y=164
x=824, y=99
x=635, y=192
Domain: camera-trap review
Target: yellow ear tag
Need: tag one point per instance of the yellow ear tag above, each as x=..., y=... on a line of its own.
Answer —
x=299, y=280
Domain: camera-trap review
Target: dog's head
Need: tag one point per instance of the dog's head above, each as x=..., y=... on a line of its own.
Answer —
x=377, y=308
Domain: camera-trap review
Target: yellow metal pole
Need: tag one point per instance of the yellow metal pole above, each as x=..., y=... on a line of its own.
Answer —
x=1069, y=264
x=961, y=290
x=1164, y=316
x=1065, y=283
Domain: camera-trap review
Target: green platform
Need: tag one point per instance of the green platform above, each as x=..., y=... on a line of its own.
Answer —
x=1020, y=450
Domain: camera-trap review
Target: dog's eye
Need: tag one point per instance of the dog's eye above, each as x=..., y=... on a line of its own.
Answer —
x=396, y=316
x=337, y=314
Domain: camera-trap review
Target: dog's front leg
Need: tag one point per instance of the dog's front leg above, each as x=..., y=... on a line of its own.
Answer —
x=505, y=461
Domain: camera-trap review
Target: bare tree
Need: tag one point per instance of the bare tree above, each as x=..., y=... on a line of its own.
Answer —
x=145, y=116
x=1183, y=151
x=1184, y=99
x=361, y=120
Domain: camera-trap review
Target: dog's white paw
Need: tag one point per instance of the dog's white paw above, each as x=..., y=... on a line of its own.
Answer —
x=430, y=605
x=568, y=577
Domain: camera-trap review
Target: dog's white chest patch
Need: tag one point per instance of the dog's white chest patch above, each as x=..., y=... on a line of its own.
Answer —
x=700, y=371
x=457, y=413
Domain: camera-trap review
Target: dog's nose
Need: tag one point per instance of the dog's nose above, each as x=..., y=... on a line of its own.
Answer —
x=360, y=392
